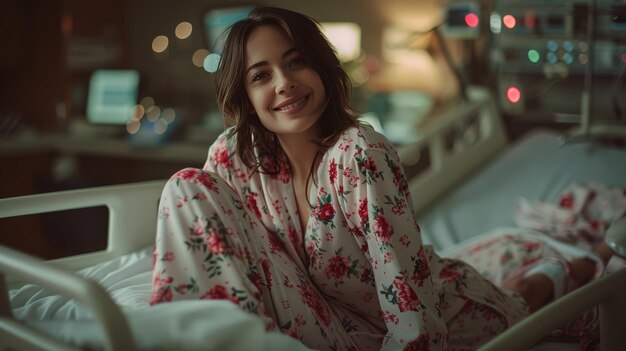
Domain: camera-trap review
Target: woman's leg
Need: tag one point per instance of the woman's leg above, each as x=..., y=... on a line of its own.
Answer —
x=208, y=246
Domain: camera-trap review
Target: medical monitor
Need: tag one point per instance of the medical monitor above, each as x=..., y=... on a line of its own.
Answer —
x=217, y=19
x=112, y=95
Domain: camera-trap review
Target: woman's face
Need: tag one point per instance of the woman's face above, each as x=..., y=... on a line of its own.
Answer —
x=287, y=94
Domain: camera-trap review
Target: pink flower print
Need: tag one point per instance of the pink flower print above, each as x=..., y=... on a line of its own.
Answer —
x=168, y=256
x=347, y=172
x=404, y=240
x=311, y=248
x=368, y=296
x=284, y=175
x=332, y=172
x=337, y=267
x=252, y=205
x=398, y=209
x=315, y=302
x=366, y=275
x=159, y=282
x=275, y=244
x=165, y=212
x=390, y=317
x=566, y=201
x=388, y=257
x=449, y=274
x=382, y=228
x=208, y=181
x=186, y=174
x=198, y=227
x=181, y=288
x=293, y=332
x=363, y=212
x=265, y=264
x=326, y=213
x=221, y=158
x=279, y=170
x=595, y=224
x=406, y=297
x=219, y=292
x=490, y=313
x=370, y=166
x=300, y=321
x=293, y=236
x=420, y=344
x=161, y=295
x=181, y=201
x=421, y=270
x=213, y=243
x=199, y=196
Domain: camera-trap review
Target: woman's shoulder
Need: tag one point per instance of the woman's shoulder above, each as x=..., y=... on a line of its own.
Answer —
x=358, y=139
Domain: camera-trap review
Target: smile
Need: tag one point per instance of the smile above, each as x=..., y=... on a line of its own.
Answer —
x=292, y=105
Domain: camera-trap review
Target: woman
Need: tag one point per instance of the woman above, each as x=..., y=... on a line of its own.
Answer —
x=302, y=215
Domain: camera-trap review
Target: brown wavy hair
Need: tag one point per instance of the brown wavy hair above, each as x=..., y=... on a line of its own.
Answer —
x=315, y=50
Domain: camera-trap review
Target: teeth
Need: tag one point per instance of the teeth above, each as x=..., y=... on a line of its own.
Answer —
x=290, y=106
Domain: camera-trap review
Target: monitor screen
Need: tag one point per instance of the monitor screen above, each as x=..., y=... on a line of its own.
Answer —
x=112, y=96
x=217, y=20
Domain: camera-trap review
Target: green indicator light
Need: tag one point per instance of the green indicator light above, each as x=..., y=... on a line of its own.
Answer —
x=533, y=56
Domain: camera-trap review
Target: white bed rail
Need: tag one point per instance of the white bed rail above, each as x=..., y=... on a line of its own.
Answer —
x=132, y=216
x=460, y=142
x=15, y=335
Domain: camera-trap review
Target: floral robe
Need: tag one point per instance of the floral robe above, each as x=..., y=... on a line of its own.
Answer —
x=358, y=278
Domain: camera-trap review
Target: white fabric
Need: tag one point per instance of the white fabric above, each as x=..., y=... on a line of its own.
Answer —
x=126, y=278
x=183, y=325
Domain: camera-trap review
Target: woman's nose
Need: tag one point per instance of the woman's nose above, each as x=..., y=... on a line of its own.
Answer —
x=284, y=83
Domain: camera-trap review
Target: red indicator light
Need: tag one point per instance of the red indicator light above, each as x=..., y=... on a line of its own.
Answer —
x=530, y=20
x=624, y=58
x=513, y=94
x=509, y=21
x=471, y=20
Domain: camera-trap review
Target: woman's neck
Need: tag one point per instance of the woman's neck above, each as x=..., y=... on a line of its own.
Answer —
x=301, y=151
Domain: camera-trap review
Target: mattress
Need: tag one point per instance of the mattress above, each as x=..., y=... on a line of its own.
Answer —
x=536, y=167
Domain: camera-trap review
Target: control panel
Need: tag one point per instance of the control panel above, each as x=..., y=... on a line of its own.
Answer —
x=542, y=51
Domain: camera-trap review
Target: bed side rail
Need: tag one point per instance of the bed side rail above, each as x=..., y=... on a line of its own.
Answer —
x=606, y=292
x=132, y=215
x=461, y=141
x=88, y=293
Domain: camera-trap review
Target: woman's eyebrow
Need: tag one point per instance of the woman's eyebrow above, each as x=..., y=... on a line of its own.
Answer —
x=263, y=63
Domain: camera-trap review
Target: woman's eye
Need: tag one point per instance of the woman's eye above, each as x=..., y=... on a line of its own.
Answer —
x=258, y=76
x=296, y=62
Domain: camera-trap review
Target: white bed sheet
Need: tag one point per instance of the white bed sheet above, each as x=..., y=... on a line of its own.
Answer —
x=181, y=325
x=536, y=167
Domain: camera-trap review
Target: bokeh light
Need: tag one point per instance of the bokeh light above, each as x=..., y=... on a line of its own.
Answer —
x=183, y=30
x=160, y=44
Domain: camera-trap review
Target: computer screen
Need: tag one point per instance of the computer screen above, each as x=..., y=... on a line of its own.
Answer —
x=112, y=96
x=216, y=20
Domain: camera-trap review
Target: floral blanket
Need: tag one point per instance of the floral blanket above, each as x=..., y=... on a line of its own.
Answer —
x=580, y=217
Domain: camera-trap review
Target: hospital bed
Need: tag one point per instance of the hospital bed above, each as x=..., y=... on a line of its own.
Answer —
x=460, y=170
